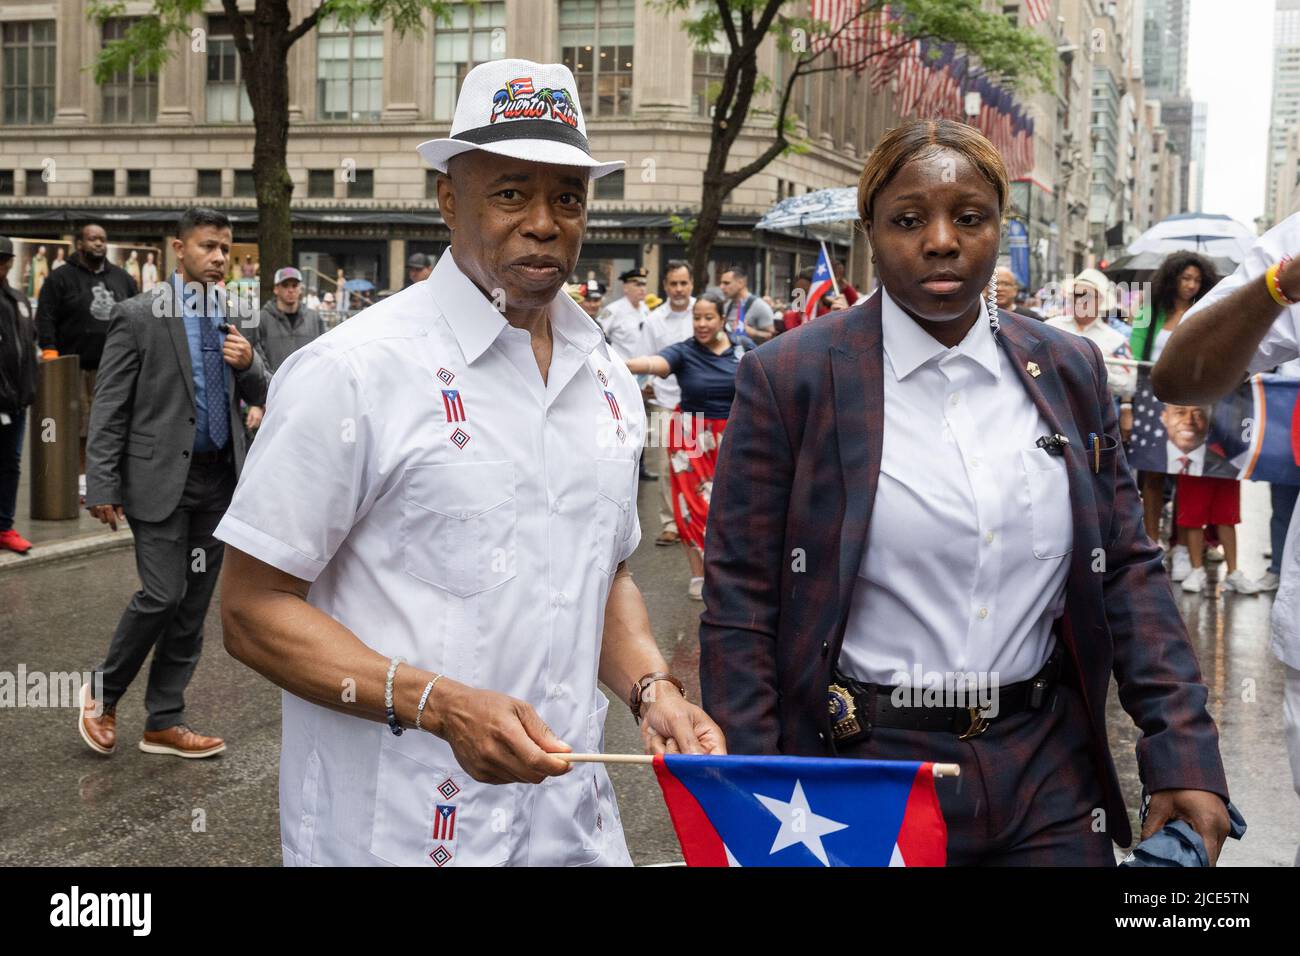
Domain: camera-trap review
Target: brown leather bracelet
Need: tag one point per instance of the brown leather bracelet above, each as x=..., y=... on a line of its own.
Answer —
x=639, y=688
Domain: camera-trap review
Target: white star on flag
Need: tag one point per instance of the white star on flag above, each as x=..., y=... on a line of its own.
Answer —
x=799, y=824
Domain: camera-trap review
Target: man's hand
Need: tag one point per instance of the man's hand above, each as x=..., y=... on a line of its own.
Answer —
x=108, y=514
x=496, y=738
x=254, y=418
x=236, y=350
x=671, y=724
x=1125, y=421
x=1205, y=811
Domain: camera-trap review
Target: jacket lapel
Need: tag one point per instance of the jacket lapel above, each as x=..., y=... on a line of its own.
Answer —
x=858, y=383
x=175, y=323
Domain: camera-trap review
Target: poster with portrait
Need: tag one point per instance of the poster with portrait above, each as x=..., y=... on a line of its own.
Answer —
x=142, y=263
x=34, y=260
x=1252, y=434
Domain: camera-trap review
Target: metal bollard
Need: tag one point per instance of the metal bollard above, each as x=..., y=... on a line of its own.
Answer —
x=55, y=434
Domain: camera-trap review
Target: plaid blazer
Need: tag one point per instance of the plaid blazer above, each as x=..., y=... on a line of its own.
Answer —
x=788, y=521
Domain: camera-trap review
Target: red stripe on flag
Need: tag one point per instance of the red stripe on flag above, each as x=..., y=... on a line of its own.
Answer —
x=923, y=837
x=701, y=844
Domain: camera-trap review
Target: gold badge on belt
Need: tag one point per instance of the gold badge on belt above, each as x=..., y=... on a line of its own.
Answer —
x=844, y=716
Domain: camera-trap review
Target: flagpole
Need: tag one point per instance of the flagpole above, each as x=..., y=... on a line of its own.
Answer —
x=835, y=286
x=940, y=769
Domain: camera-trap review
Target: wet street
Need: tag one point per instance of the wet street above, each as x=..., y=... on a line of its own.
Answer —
x=62, y=804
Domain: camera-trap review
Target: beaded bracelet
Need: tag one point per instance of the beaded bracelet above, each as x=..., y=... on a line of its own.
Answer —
x=419, y=711
x=1275, y=286
x=393, y=725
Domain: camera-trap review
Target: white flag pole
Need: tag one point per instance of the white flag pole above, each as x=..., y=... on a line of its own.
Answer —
x=835, y=286
x=940, y=769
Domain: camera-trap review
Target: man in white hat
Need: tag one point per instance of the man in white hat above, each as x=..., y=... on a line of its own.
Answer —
x=432, y=531
x=1088, y=295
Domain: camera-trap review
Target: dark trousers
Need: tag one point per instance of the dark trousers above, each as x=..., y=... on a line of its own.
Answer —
x=11, y=458
x=178, y=561
x=1284, y=498
x=1028, y=794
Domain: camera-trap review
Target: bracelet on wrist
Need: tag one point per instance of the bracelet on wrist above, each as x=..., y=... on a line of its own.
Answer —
x=1273, y=281
x=393, y=725
x=424, y=697
x=637, y=697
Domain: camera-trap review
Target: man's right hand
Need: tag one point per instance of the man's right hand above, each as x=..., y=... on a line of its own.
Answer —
x=496, y=738
x=108, y=514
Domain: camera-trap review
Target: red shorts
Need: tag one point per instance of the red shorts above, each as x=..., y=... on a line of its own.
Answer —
x=1203, y=501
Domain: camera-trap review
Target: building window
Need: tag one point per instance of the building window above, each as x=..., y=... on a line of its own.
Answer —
x=610, y=186
x=596, y=44
x=36, y=184
x=102, y=182
x=126, y=97
x=27, y=71
x=475, y=35
x=363, y=187
x=350, y=70
x=209, y=182
x=320, y=184
x=245, y=186
x=227, y=96
x=6, y=182
x=707, y=81
x=137, y=182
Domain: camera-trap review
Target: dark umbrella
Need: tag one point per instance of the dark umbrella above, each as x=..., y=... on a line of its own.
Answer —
x=1143, y=265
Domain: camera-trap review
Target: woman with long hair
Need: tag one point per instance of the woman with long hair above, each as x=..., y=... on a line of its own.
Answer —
x=927, y=493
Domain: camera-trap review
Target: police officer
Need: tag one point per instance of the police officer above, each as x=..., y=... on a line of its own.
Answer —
x=17, y=391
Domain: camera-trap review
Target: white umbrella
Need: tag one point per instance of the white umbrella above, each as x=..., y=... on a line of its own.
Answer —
x=818, y=208
x=1207, y=233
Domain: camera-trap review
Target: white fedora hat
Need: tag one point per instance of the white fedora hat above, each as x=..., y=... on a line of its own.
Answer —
x=520, y=109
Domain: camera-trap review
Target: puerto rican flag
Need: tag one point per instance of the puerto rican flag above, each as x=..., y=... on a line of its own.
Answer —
x=803, y=811
x=521, y=87
x=452, y=404
x=822, y=284
x=444, y=822
x=613, y=405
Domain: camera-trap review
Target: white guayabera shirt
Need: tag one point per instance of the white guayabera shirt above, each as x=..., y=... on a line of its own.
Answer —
x=1280, y=345
x=450, y=508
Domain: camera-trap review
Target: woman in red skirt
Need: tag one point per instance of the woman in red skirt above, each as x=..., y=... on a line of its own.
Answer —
x=705, y=366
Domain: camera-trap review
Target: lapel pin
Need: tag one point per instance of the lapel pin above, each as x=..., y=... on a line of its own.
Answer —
x=1033, y=369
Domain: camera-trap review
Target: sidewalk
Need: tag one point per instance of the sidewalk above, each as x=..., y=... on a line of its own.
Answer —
x=57, y=540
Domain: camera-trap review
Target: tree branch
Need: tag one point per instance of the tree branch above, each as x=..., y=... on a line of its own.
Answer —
x=238, y=32
x=297, y=33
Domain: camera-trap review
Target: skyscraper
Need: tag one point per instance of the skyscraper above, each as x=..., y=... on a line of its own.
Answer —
x=1284, y=113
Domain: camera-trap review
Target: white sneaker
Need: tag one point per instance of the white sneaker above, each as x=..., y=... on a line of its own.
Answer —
x=1194, y=583
x=1237, y=581
x=696, y=590
x=1181, y=563
x=1268, y=581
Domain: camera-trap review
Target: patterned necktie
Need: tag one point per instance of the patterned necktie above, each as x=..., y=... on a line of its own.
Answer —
x=214, y=381
x=1185, y=462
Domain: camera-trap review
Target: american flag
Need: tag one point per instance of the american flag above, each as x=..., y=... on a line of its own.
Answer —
x=854, y=42
x=888, y=47
x=1036, y=10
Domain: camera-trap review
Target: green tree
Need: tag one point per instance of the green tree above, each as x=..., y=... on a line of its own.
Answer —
x=263, y=38
x=1017, y=58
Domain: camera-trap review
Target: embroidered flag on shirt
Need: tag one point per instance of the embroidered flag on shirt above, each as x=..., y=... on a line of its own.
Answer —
x=613, y=405
x=803, y=811
x=454, y=406
x=444, y=822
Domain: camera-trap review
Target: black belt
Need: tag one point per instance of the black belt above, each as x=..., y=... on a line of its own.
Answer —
x=210, y=457
x=857, y=708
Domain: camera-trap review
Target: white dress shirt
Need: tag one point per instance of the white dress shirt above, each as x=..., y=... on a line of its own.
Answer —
x=1174, y=460
x=665, y=328
x=450, y=508
x=624, y=326
x=1122, y=379
x=971, y=528
x=1280, y=345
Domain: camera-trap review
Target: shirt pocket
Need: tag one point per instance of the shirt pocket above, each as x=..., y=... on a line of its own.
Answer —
x=1051, y=513
x=431, y=813
x=612, y=520
x=458, y=525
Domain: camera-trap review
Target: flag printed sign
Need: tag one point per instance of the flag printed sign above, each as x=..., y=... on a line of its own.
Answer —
x=803, y=811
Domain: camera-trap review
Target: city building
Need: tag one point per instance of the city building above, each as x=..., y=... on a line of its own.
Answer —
x=1284, y=106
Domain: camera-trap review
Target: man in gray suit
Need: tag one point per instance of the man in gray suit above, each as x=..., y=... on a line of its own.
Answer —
x=166, y=445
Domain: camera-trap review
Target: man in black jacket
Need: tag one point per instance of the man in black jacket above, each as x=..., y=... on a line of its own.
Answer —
x=17, y=391
x=73, y=309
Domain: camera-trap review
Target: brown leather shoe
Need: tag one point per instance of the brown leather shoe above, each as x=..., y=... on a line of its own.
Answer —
x=99, y=733
x=180, y=741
